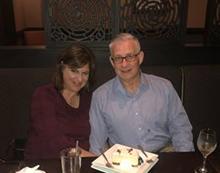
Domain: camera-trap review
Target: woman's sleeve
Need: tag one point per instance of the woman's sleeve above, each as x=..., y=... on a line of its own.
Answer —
x=45, y=138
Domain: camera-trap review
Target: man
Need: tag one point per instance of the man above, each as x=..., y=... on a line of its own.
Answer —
x=135, y=108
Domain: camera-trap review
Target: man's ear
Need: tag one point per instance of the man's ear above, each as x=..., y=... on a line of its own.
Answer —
x=141, y=57
x=112, y=63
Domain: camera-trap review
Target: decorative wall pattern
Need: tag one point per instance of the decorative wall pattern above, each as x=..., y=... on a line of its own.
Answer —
x=99, y=20
x=154, y=19
x=79, y=20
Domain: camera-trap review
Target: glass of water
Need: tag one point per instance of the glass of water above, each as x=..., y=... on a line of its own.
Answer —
x=70, y=160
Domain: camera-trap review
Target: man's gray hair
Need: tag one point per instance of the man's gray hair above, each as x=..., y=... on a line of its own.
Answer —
x=124, y=37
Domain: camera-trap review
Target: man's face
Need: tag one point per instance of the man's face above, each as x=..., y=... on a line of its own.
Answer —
x=127, y=70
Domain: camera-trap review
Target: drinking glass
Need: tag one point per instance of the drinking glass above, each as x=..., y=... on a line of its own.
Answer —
x=70, y=160
x=206, y=143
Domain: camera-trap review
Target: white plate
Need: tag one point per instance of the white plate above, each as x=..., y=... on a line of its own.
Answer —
x=100, y=162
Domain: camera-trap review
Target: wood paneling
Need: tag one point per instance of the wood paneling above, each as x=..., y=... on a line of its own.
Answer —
x=7, y=26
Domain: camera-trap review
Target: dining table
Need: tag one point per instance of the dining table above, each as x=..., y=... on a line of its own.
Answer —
x=169, y=162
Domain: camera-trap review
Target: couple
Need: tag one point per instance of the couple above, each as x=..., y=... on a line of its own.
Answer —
x=133, y=108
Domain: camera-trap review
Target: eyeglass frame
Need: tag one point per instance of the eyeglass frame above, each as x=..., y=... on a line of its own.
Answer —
x=128, y=58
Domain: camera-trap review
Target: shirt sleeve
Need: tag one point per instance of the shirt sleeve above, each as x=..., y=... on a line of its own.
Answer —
x=179, y=125
x=98, y=135
x=45, y=138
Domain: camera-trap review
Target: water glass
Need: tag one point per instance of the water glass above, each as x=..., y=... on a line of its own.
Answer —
x=70, y=160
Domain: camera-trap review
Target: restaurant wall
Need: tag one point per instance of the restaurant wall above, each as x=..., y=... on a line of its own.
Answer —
x=28, y=13
x=196, y=13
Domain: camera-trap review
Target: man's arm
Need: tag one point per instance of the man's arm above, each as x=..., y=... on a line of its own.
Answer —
x=179, y=125
x=98, y=135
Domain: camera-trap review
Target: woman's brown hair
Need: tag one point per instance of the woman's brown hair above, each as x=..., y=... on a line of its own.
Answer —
x=75, y=56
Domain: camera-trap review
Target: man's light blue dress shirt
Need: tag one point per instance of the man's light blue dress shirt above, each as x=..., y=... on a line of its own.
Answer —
x=152, y=117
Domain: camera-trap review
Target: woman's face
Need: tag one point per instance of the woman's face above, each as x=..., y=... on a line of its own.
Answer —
x=75, y=79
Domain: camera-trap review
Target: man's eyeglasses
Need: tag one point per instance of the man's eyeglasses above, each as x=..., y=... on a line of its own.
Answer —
x=128, y=58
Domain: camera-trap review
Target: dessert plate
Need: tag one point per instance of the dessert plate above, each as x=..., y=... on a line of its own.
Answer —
x=100, y=162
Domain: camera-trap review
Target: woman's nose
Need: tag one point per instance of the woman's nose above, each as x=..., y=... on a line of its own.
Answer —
x=80, y=77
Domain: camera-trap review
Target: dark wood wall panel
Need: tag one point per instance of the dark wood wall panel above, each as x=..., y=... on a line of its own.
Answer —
x=7, y=24
x=45, y=57
x=213, y=23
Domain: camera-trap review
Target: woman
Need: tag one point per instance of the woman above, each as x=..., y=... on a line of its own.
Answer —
x=60, y=110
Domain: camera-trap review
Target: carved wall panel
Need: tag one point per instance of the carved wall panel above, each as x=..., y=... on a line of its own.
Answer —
x=79, y=20
x=99, y=20
x=152, y=19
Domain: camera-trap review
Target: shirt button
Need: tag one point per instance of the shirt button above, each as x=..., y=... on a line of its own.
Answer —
x=136, y=113
x=139, y=128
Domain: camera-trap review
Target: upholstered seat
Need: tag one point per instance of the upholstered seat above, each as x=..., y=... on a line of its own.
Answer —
x=197, y=85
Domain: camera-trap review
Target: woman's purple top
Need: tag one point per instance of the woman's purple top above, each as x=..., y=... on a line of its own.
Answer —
x=55, y=125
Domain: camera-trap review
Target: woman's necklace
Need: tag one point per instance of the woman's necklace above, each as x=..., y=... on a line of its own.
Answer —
x=73, y=100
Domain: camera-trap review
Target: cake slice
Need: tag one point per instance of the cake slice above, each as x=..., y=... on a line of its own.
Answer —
x=128, y=155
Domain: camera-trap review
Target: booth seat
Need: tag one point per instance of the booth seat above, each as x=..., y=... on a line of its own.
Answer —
x=197, y=85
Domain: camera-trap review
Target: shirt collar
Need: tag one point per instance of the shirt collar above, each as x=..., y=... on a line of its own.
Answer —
x=119, y=89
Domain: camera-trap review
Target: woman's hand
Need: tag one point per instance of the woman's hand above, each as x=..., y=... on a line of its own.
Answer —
x=85, y=153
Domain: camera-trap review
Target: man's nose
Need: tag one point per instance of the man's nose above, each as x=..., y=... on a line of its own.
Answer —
x=124, y=62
